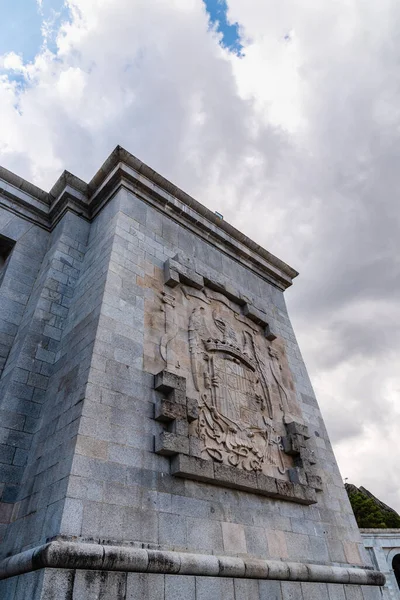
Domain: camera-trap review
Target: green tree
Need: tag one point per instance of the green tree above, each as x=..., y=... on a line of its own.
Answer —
x=369, y=515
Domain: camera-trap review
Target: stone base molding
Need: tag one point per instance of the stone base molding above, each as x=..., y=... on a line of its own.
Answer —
x=73, y=555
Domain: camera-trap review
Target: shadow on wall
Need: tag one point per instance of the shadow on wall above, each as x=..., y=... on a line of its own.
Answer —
x=396, y=568
x=6, y=246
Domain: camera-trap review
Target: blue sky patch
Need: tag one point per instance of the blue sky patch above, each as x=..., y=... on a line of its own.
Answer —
x=21, y=22
x=217, y=10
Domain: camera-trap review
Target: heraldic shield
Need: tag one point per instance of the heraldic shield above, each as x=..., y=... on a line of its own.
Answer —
x=236, y=419
x=238, y=379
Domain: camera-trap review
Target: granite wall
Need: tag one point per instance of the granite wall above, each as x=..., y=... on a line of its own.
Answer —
x=78, y=398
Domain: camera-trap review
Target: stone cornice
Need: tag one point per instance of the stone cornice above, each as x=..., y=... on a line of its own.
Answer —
x=88, y=556
x=11, y=180
x=123, y=169
x=381, y=533
x=378, y=531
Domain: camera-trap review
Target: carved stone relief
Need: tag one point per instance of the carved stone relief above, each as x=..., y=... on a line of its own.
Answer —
x=236, y=421
x=235, y=395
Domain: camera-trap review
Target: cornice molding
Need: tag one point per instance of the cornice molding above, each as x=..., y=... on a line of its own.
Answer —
x=122, y=169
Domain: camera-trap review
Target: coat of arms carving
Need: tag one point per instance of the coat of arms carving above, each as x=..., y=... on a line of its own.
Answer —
x=236, y=412
x=239, y=379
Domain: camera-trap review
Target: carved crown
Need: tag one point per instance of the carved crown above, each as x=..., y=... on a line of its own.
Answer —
x=213, y=345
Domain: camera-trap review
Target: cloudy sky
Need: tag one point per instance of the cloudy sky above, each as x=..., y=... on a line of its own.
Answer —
x=282, y=115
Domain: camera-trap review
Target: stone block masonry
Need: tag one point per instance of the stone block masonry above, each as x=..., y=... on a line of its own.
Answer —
x=159, y=433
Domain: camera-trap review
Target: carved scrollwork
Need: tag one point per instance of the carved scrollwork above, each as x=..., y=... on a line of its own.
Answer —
x=240, y=446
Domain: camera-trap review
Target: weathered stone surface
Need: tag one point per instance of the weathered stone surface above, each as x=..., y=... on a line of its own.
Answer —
x=195, y=446
x=297, y=429
x=285, y=489
x=297, y=475
x=308, y=455
x=180, y=427
x=149, y=306
x=193, y=468
x=166, y=382
x=168, y=444
x=83, y=555
x=175, y=272
x=314, y=481
x=235, y=478
x=293, y=444
x=167, y=410
x=192, y=409
x=178, y=396
x=269, y=334
x=234, y=538
x=254, y=314
x=304, y=494
x=171, y=275
x=267, y=485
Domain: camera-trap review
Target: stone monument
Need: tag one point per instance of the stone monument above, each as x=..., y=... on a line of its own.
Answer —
x=160, y=436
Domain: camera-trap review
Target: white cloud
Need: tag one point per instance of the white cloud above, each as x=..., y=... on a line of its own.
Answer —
x=296, y=143
x=11, y=62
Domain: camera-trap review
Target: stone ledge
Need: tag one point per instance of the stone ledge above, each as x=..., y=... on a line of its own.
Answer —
x=294, y=428
x=169, y=444
x=181, y=269
x=389, y=532
x=314, y=481
x=75, y=555
x=255, y=314
x=199, y=469
x=166, y=382
x=167, y=410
